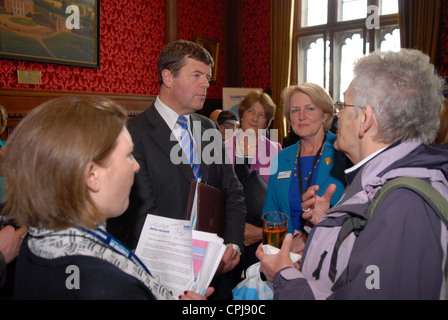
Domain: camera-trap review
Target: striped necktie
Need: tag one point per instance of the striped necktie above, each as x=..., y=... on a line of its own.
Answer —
x=187, y=143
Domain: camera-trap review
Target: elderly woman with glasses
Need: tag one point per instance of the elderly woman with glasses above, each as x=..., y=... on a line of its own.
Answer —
x=386, y=128
x=311, y=161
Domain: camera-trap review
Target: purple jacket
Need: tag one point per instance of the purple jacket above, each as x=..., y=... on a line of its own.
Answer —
x=266, y=150
x=401, y=253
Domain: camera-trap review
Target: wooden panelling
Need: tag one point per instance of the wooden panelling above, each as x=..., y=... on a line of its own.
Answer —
x=19, y=102
x=233, y=43
x=172, y=23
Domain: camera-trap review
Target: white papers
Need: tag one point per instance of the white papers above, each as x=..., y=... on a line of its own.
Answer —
x=182, y=259
x=208, y=250
x=165, y=247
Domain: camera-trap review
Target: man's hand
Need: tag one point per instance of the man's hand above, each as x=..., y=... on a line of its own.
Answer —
x=229, y=260
x=252, y=234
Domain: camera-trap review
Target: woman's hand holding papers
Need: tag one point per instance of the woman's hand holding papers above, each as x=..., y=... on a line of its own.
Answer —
x=190, y=295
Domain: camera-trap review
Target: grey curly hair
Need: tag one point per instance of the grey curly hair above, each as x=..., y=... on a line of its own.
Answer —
x=404, y=90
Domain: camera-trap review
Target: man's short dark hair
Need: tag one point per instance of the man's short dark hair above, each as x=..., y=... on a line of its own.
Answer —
x=172, y=57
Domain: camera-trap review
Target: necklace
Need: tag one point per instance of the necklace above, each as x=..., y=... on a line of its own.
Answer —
x=315, y=163
x=241, y=147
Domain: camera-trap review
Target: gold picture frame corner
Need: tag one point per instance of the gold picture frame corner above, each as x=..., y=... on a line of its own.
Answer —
x=212, y=46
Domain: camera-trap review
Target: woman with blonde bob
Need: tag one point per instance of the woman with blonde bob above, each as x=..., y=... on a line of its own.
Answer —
x=68, y=168
x=311, y=161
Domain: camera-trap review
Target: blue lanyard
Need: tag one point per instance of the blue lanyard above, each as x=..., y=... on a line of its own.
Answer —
x=116, y=246
x=299, y=167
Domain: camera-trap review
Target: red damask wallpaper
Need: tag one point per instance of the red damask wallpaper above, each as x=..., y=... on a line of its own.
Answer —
x=204, y=18
x=132, y=33
x=256, y=44
x=444, y=41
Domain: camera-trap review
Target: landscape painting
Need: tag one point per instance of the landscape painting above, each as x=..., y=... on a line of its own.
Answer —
x=62, y=32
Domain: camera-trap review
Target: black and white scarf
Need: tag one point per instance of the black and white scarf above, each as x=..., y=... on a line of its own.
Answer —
x=49, y=244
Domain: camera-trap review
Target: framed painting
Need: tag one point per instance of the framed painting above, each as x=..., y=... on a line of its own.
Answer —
x=211, y=46
x=61, y=32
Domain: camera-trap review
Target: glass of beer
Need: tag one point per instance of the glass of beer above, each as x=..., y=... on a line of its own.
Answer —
x=275, y=227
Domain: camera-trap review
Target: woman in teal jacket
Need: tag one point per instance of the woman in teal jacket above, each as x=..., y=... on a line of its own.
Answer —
x=309, y=110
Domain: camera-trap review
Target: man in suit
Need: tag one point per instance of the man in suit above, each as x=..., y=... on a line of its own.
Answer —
x=162, y=186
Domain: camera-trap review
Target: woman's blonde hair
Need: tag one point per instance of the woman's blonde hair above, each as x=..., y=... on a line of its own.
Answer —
x=46, y=159
x=265, y=100
x=318, y=96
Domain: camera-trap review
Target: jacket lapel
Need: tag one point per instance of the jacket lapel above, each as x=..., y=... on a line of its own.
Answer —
x=161, y=135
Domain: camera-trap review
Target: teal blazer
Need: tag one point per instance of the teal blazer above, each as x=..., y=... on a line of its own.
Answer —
x=331, y=171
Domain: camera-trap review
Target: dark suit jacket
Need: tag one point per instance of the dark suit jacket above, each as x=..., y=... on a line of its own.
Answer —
x=162, y=187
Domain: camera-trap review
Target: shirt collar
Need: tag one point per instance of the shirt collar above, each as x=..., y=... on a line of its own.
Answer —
x=350, y=173
x=362, y=162
x=169, y=115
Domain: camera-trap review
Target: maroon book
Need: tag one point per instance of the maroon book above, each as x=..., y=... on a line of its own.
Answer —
x=211, y=208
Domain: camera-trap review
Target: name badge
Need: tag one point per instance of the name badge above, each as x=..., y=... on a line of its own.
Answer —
x=284, y=175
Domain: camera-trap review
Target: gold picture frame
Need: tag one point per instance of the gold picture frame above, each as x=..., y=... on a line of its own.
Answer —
x=211, y=46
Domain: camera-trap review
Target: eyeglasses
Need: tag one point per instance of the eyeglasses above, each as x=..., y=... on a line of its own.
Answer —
x=340, y=106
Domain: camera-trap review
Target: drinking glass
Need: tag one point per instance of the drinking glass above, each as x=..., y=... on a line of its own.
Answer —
x=275, y=227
